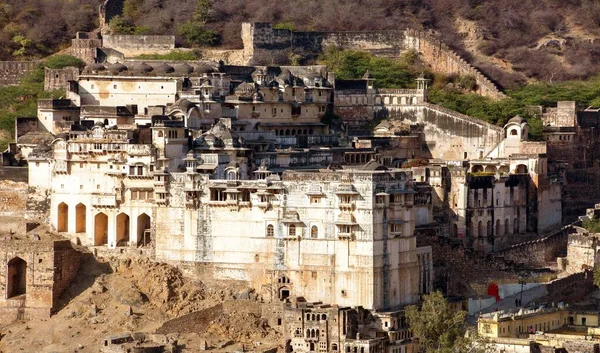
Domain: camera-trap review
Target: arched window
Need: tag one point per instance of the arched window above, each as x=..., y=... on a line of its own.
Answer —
x=292, y=230
x=160, y=134
x=314, y=232
x=514, y=132
x=270, y=231
x=232, y=175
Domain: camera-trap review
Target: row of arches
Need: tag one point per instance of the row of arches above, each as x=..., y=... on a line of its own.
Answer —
x=293, y=132
x=314, y=231
x=315, y=317
x=501, y=228
x=122, y=225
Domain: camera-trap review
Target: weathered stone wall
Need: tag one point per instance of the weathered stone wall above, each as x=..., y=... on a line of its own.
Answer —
x=133, y=45
x=450, y=135
x=581, y=252
x=539, y=252
x=572, y=288
x=444, y=60
x=16, y=174
x=66, y=266
x=58, y=79
x=12, y=72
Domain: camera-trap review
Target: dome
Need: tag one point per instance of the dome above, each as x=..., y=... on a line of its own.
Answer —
x=183, y=68
x=96, y=67
x=183, y=105
x=516, y=120
x=163, y=69
x=257, y=97
x=367, y=75
x=203, y=69
x=142, y=68
x=116, y=68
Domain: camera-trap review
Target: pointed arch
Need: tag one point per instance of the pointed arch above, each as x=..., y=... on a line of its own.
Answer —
x=143, y=229
x=100, y=229
x=122, y=229
x=80, y=218
x=16, y=281
x=63, y=218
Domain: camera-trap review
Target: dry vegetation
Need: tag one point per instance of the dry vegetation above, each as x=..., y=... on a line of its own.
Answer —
x=512, y=41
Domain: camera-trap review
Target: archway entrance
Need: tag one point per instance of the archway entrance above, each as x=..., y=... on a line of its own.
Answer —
x=80, y=218
x=143, y=229
x=284, y=293
x=16, y=278
x=100, y=229
x=63, y=217
x=122, y=229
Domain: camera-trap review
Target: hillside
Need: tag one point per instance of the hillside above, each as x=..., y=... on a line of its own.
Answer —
x=551, y=40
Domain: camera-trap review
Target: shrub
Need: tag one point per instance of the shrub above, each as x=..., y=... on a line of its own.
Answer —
x=197, y=35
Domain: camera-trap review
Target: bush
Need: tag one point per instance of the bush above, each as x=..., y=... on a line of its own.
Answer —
x=289, y=25
x=197, y=35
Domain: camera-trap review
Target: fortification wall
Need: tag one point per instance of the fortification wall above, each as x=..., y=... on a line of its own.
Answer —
x=265, y=45
x=134, y=45
x=443, y=59
x=539, y=252
x=450, y=135
x=12, y=72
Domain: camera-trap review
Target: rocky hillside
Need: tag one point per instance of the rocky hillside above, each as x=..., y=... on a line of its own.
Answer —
x=512, y=41
x=161, y=299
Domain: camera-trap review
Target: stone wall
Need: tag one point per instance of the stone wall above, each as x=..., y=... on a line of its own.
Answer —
x=134, y=45
x=450, y=135
x=538, y=252
x=572, y=288
x=265, y=45
x=50, y=268
x=16, y=174
x=58, y=79
x=12, y=72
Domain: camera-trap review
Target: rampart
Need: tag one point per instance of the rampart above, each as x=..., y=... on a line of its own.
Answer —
x=541, y=251
x=133, y=45
x=265, y=45
x=450, y=135
x=12, y=72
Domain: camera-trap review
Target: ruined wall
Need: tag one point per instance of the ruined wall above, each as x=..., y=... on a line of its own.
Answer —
x=66, y=265
x=134, y=45
x=13, y=198
x=12, y=72
x=85, y=47
x=581, y=252
x=538, y=252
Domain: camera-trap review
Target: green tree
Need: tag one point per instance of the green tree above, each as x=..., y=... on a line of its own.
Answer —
x=23, y=42
x=121, y=25
x=195, y=34
x=440, y=328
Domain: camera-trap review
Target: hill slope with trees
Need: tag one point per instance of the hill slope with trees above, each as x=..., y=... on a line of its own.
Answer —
x=511, y=41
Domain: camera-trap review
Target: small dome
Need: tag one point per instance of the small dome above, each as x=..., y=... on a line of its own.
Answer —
x=516, y=120
x=96, y=67
x=257, y=97
x=163, y=69
x=183, y=68
x=203, y=69
x=116, y=68
x=367, y=75
x=142, y=68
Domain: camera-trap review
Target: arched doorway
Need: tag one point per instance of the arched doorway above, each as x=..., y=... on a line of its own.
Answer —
x=480, y=232
x=100, y=229
x=16, y=282
x=63, y=217
x=498, y=228
x=143, y=229
x=122, y=229
x=506, y=227
x=80, y=218
x=284, y=293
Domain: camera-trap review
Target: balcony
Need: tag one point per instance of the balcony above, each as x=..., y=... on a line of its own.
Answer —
x=345, y=235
